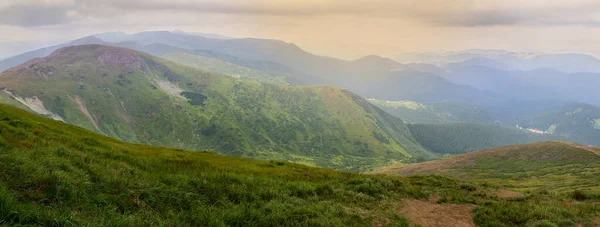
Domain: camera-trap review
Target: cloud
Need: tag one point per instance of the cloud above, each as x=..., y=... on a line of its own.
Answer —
x=32, y=15
x=459, y=13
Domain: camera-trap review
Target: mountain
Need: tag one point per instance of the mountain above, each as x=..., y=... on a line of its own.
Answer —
x=539, y=84
x=509, y=60
x=19, y=59
x=461, y=138
x=374, y=63
x=207, y=35
x=227, y=68
x=140, y=98
x=438, y=112
x=55, y=174
x=385, y=78
x=577, y=122
x=555, y=166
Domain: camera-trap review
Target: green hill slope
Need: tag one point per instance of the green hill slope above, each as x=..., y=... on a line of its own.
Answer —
x=439, y=112
x=577, y=122
x=227, y=68
x=144, y=99
x=55, y=174
x=460, y=138
x=555, y=166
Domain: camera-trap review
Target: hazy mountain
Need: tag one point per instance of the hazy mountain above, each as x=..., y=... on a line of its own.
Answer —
x=227, y=68
x=19, y=59
x=539, y=84
x=143, y=99
x=371, y=76
x=507, y=60
x=207, y=35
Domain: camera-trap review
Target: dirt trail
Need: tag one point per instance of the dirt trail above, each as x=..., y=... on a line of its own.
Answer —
x=428, y=214
x=506, y=194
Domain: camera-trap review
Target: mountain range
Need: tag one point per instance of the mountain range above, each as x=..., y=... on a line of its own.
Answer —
x=464, y=92
x=140, y=98
x=97, y=132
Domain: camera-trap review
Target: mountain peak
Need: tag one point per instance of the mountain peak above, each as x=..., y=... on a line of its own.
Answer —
x=108, y=55
x=377, y=62
x=373, y=57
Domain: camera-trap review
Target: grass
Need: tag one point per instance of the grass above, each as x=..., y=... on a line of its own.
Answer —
x=54, y=174
x=554, y=166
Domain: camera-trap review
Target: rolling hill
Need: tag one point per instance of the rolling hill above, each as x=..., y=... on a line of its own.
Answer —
x=460, y=138
x=552, y=166
x=140, y=98
x=577, y=122
x=56, y=174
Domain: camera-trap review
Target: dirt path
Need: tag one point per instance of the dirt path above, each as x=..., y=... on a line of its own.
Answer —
x=506, y=194
x=428, y=214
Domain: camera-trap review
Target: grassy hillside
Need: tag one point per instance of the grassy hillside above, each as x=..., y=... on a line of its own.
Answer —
x=227, y=68
x=577, y=122
x=440, y=112
x=144, y=99
x=55, y=174
x=552, y=166
x=460, y=138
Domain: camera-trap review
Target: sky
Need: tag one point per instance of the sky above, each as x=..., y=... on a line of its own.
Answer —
x=337, y=28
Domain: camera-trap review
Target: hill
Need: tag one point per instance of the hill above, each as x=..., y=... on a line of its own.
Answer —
x=55, y=174
x=577, y=122
x=553, y=166
x=460, y=138
x=140, y=98
x=438, y=112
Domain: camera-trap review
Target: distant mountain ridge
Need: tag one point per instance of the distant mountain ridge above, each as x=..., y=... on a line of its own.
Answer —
x=306, y=68
x=508, y=60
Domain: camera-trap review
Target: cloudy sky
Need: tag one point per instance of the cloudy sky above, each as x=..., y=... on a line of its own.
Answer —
x=339, y=28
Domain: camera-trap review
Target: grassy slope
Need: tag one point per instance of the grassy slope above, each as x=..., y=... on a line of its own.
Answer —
x=553, y=166
x=120, y=88
x=440, y=112
x=226, y=68
x=55, y=174
x=577, y=122
x=460, y=138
